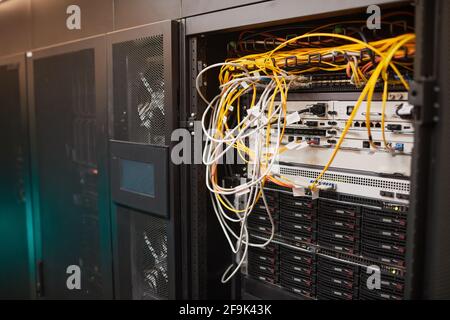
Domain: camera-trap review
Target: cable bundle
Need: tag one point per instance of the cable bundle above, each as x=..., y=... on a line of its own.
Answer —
x=266, y=78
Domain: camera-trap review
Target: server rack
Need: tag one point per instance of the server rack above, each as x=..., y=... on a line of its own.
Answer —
x=427, y=235
x=68, y=129
x=143, y=97
x=17, y=273
x=423, y=246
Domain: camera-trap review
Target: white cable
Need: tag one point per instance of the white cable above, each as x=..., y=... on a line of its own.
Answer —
x=253, y=126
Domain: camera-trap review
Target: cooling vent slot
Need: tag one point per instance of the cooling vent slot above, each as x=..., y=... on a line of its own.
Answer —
x=351, y=179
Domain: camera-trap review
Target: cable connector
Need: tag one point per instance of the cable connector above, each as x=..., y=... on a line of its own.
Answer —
x=319, y=109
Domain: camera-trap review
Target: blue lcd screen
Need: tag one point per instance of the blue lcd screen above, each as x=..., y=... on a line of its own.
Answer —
x=137, y=177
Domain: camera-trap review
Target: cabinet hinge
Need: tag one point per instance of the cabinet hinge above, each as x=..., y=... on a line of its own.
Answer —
x=424, y=96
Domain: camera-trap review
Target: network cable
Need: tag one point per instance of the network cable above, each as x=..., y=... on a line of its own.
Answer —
x=266, y=78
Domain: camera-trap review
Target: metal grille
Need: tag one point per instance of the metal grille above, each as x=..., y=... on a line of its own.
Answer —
x=139, y=94
x=149, y=260
x=336, y=177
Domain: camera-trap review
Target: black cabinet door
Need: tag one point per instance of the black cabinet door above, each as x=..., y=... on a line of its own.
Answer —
x=67, y=90
x=143, y=82
x=15, y=214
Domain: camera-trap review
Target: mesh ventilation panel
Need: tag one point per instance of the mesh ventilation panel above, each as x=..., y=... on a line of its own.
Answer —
x=149, y=260
x=139, y=92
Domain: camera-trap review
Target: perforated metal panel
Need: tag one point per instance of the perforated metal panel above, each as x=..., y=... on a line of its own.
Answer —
x=149, y=261
x=139, y=91
x=354, y=179
x=143, y=75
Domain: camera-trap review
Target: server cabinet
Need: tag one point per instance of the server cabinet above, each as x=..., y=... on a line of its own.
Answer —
x=16, y=238
x=427, y=251
x=143, y=82
x=428, y=233
x=67, y=91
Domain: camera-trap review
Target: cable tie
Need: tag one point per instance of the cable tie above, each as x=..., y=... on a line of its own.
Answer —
x=254, y=111
x=297, y=146
x=292, y=118
x=298, y=192
x=315, y=194
x=243, y=192
x=275, y=169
